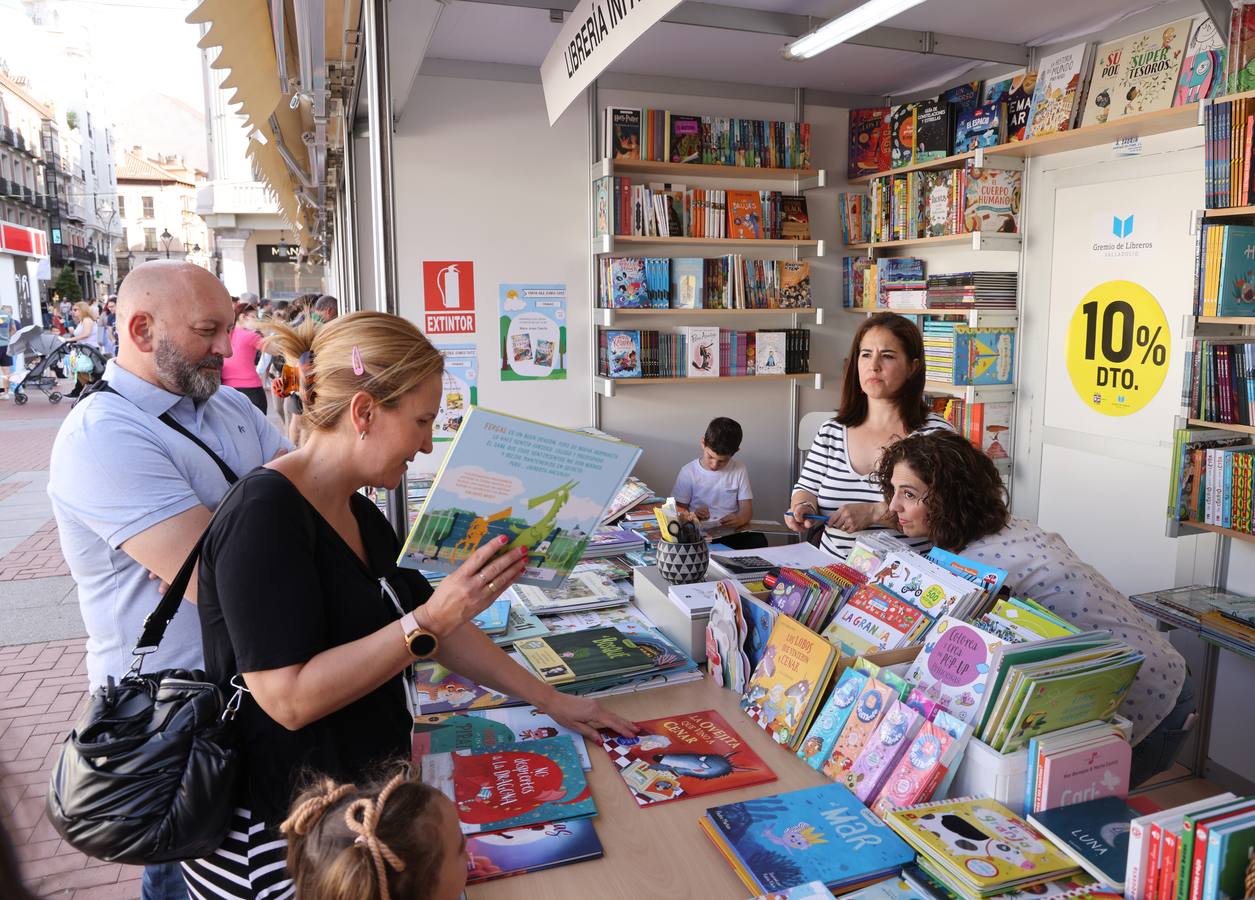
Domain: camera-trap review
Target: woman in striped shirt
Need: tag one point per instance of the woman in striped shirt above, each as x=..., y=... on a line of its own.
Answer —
x=882, y=400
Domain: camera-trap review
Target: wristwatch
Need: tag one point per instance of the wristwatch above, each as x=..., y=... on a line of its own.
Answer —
x=421, y=643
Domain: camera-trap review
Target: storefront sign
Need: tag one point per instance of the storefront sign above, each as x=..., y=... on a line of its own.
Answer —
x=533, y=332
x=1118, y=348
x=277, y=253
x=448, y=297
x=18, y=239
x=594, y=34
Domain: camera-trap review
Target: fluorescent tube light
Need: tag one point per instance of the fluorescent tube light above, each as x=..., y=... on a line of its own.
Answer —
x=842, y=28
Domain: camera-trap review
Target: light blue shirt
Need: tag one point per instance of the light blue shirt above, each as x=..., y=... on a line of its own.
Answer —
x=116, y=471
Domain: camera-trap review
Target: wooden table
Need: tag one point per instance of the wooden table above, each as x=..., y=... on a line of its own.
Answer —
x=658, y=852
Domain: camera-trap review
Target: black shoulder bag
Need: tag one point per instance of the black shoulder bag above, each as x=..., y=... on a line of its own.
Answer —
x=148, y=773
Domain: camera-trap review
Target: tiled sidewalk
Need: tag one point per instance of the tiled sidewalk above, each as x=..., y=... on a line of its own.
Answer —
x=42, y=693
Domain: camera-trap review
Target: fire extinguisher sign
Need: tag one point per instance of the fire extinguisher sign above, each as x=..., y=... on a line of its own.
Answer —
x=448, y=297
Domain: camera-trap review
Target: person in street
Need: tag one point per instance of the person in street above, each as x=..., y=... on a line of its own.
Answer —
x=8, y=327
x=320, y=310
x=132, y=495
x=86, y=334
x=240, y=369
x=323, y=641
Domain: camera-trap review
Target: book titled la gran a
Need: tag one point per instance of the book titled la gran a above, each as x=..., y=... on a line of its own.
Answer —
x=543, y=488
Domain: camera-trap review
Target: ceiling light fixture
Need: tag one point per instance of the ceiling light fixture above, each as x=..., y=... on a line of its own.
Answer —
x=842, y=28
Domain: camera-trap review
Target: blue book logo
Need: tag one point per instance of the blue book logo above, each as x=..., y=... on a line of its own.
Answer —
x=1122, y=228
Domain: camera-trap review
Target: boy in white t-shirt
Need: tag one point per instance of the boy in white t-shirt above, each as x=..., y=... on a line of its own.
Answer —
x=715, y=486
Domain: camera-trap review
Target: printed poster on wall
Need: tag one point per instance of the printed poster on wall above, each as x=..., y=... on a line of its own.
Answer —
x=448, y=297
x=460, y=391
x=533, y=332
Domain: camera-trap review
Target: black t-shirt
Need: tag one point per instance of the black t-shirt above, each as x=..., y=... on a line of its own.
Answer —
x=277, y=587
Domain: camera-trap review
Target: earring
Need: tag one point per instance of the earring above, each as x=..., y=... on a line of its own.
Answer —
x=361, y=435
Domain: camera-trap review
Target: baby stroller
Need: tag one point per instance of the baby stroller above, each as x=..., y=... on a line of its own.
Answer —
x=43, y=353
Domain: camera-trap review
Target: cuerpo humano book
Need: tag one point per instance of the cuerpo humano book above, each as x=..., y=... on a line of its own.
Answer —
x=545, y=488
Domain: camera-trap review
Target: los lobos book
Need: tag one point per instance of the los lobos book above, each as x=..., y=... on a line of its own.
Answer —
x=543, y=488
x=527, y=783
x=789, y=681
x=532, y=848
x=815, y=834
x=688, y=755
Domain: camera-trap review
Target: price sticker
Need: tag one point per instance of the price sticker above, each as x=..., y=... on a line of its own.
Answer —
x=1118, y=348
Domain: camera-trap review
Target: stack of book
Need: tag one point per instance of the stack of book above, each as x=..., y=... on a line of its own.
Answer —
x=1221, y=381
x=666, y=210
x=963, y=290
x=702, y=352
x=1084, y=762
x=1224, y=270
x=765, y=839
x=1213, y=479
x=855, y=215
x=633, y=493
x=939, y=358
x=579, y=592
x=965, y=355
x=610, y=541
x=663, y=136
x=944, y=202
x=976, y=847
x=725, y=282
x=583, y=656
x=985, y=424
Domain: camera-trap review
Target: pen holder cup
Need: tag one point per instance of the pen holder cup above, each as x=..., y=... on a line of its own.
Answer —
x=683, y=563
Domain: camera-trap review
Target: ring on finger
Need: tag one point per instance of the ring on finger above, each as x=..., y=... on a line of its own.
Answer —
x=492, y=586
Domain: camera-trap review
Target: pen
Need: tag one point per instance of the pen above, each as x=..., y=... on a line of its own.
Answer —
x=809, y=518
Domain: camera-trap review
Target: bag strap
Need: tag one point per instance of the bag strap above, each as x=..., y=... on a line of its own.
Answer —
x=158, y=620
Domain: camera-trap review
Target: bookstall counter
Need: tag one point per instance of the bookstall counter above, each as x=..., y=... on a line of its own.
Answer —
x=658, y=852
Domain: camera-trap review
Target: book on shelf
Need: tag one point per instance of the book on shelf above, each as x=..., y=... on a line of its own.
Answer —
x=986, y=424
x=1220, y=381
x=1240, y=50
x=1138, y=873
x=483, y=728
x=998, y=90
x=720, y=141
x=869, y=147
x=568, y=481
x=815, y=834
x=1094, y=834
x=1227, y=140
x=1225, y=271
x=1137, y=73
x=981, y=126
x=949, y=834
x=1056, y=97
x=727, y=282
x=689, y=755
x=513, y=785
x=685, y=138
x=953, y=666
x=902, y=135
x=532, y=848
x=624, y=353
x=964, y=290
x=1202, y=461
x=794, y=218
x=623, y=133
x=991, y=200
x=964, y=96
x=669, y=210
x=1020, y=93
x=688, y=279
x=1202, y=70
x=702, y=354
x=934, y=129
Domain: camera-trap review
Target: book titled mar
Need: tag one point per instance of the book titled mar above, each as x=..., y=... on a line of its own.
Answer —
x=527, y=783
x=688, y=755
x=544, y=488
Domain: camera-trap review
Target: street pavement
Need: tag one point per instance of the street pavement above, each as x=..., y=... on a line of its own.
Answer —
x=43, y=676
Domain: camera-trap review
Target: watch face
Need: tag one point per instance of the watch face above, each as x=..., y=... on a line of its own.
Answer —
x=422, y=644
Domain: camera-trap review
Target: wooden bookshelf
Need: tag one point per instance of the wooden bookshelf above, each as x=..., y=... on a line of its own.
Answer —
x=610, y=243
x=1224, y=320
x=946, y=162
x=807, y=179
x=607, y=317
x=1240, y=429
x=973, y=240
x=971, y=393
x=608, y=386
x=1229, y=212
x=1217, y=529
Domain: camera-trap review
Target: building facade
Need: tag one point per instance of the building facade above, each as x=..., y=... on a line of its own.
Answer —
x=156, y=208
x=251, y=251
x=24, y=201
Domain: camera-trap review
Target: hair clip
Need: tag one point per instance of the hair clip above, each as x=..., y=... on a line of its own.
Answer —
x=359, y=367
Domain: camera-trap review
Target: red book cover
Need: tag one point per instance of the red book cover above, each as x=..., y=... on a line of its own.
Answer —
x=1168, y=864
x=869, y=142
x=1152, y=866
x=689, y=755
x=744, y=215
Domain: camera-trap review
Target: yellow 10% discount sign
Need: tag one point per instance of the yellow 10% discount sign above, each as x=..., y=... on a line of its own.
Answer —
x=1118, y=346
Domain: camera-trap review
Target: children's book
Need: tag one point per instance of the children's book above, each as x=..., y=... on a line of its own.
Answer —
x=991, y=200
x=934, y=125
x=831, y=719
x=745, y=215
x=1138, y=871
x=627, y=284
x=688, y=755
x=795, y=284
x=870, y=707
x=1094, y=834
x=1237, y=270
x=815, y=834
x=926, y=584
x=894, y=888
x=769, y=352
x=1058, y=86
x=522, y=624
x=983, y=355
x=759, y=619
x=795, y=221
x=1137, y=73
x=603, y=206
x=963, y=96
x=977, y=846
x=884, y=748
x=543, y=488
x=981, y=126
x=495, y=618
x=623, y=133
x=527, y=783
x=483, y=729
x=623, y=349
x=989, y=578
x=953, y=666
x=442, y=691
x=688, y=278
x=1229, y=848
x=812, y=890
x=1203, y=68
x=902, y=135
x=998, y=90
x=941, y=202
x=1096, y=769
x=874, y=619
x=685, y=138
x=1020, y=105
x=920, y=769
x=532, y=848
x=702, y=343
x=582, y=591
x=869, y=142
x=789, y=681
x=583, y=655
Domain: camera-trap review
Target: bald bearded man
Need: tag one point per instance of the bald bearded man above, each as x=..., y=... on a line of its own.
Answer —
x=132, y=493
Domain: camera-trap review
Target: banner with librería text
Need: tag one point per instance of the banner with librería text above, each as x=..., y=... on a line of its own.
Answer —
x=593, y=35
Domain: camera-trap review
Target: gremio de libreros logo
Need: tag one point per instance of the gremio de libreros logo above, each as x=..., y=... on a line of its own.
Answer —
x=1113, y=236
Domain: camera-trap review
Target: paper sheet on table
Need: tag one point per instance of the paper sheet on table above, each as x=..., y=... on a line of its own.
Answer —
x=795, y=556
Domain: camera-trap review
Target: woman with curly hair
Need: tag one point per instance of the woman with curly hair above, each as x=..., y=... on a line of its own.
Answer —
x=945, y=490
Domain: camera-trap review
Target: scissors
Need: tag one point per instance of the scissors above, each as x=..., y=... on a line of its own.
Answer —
x=684, y=532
